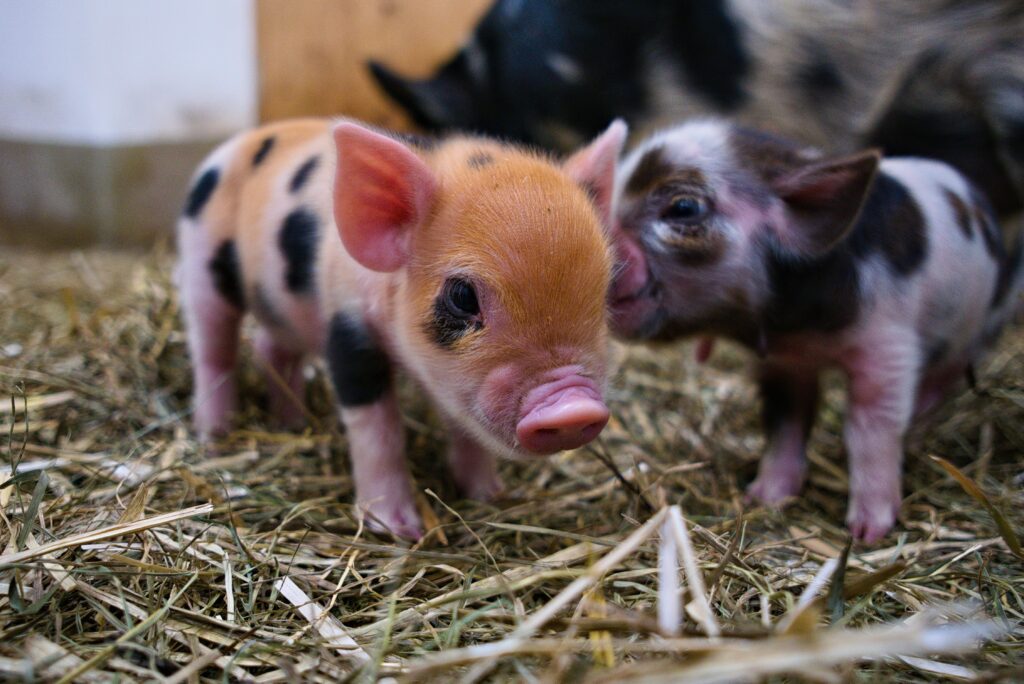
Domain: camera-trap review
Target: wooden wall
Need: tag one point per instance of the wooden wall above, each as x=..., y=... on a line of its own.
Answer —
x=311, y=53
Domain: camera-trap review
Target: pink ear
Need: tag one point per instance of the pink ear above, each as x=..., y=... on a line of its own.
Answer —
x=593, y=167
x=382, y=189
x=823, y=200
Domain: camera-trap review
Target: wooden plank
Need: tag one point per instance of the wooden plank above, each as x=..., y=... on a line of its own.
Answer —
x=312, y=53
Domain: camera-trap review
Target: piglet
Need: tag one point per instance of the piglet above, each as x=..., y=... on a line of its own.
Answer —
x=892, y=270
x=478, y=267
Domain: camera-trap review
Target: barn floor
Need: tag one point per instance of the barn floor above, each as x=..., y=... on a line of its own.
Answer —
x=114, y=564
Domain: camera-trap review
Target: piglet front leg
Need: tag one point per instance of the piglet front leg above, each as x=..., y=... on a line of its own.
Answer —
x=361, y=373
x=789, y=400
x=473, y=467
x=881, y=402
x=382, y=480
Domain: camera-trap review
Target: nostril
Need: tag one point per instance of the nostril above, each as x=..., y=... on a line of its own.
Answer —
x=565, y=419
x=584, y=429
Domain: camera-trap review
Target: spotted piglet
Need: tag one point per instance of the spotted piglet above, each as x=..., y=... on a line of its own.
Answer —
x=478, y=267
x=892, y=270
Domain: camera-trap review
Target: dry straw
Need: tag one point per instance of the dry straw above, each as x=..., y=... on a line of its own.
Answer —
x=129, y=551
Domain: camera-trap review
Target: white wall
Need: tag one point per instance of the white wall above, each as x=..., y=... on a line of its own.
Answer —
x=109, y=72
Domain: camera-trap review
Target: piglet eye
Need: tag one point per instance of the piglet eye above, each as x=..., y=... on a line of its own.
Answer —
x=456, y=312
x=686, y=208
x=460, y=298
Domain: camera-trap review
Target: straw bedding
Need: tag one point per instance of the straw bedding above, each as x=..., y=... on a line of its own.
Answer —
x=130, y=551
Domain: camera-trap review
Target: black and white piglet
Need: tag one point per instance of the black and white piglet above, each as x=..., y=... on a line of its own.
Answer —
x=892, y=270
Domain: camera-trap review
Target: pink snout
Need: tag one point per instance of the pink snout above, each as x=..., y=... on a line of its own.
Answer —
x=631, y=268
x=561, y=415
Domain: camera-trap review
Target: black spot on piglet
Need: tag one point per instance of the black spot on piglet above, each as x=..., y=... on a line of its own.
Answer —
x=200, y=193
x=297, y=241
x=820, y=294
x=359, y=368
x=652, y=168
x=303, y=173
x=479, y=160
x=891, y=223
x=227, y=273
x=960, y=212
x=263, y=151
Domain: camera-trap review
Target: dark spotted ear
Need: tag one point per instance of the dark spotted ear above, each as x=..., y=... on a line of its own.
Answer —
x=447, y=100
x=382, y=190
x=593, y=167
x=823, y=200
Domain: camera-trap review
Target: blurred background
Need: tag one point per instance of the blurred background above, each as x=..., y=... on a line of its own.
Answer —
x=106, y=107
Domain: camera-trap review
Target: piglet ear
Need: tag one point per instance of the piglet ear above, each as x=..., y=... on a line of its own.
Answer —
x=382, y=189
x=823, y=200
x=593, y=167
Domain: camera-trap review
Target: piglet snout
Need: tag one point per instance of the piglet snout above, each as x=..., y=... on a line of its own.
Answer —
x=560, y=415
x=630, y=269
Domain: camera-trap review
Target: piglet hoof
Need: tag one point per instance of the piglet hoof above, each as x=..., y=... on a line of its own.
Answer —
x=396, y=518
x=872, y=517
x=772, y=490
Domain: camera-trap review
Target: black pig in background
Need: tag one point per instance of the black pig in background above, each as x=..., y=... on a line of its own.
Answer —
x=935, y=78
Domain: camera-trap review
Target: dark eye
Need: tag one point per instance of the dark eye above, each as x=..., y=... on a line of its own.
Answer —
x=687, y=208
x=460, y=298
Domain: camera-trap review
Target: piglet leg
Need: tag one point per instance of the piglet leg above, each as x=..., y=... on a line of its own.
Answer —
x=789, y=401
x=473, y=467
x=382, y=481
x=361, y=374
x=881, y=402
x=213, y=331
x=285, y=384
